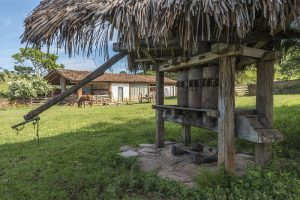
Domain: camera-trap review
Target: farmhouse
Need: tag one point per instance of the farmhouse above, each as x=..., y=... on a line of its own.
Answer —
x=116, y=87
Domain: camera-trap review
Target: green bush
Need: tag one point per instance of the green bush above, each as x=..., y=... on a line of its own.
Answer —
x=25, y=89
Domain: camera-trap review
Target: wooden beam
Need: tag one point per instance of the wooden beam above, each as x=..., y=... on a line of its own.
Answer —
x=117, y=47
x=253, y=52
x=98, y=72
x=218, y=51
x=272, y=56
x=252, y=128
x=247, y=61
x=264, y=107
x=150, y=60
x=193, y=61
x=148, y=55
x=226, y=131
x=159, y=113
x=209, y=112
x=197, y=122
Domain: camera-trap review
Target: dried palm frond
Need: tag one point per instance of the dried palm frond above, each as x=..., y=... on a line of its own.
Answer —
x=86, y=25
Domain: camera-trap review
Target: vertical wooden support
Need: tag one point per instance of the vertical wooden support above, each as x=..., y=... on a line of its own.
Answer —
x=159, y=113
x=110, y=92
x=209, y=92
x=226, y=132
x=63, y=84
x=195, y=89
x=182, y=100
x=264, y=107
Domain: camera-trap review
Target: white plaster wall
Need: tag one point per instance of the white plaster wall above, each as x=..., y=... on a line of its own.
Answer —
x=170, y=91
x=114, y=89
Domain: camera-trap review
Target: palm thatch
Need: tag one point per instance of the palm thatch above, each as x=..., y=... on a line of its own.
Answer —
x=85, y=25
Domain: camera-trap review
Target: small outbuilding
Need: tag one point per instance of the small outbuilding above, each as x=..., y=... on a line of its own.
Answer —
x=116, y=87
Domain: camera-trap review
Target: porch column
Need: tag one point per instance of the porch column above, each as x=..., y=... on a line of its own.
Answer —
x=79, y=93
x=62, y=84
x=264, y=107
x=159, y=113
x=226, y=131
x=110, y=92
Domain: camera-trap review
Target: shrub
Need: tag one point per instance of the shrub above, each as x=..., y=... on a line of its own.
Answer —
x=25, y=89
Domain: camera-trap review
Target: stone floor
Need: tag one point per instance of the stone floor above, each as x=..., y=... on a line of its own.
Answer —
x=179, y=168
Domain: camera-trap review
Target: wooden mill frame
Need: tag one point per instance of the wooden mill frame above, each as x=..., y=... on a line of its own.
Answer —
x=223, y=118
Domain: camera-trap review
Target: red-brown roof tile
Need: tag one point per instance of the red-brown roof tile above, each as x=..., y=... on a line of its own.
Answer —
x=76, y=76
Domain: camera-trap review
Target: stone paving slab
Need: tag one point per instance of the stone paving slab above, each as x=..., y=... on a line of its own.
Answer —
x=179, y=168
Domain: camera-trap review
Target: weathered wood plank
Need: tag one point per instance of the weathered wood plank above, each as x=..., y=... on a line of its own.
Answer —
x=195, y=89
x=181, y=119
x=226, y=130
x=98, y=72
x=195, y=60
x=182, y=100
x=159, y=113
x=250, y=127
x=219, y=50
x=264, y=107
x=241, y=111
x=209, y=112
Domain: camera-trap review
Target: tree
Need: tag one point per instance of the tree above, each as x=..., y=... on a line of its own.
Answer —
x=289, y=65
x=24, y=89
x=122, y=72
x=32, y=61
x=2, y=76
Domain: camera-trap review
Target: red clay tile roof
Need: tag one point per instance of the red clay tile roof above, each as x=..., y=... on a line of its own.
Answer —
x=76, y=76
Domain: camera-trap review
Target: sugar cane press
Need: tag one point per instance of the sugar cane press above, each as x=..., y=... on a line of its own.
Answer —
x=205, y=89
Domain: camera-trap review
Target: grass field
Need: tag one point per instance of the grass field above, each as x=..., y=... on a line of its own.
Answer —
x=77, y=156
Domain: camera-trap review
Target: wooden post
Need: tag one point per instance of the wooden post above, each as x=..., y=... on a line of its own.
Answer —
x=264, y=107
x=182, y=100
x=195, y=90
x=159, y=113
x=62, y=84
x=226, y=131
x=110, y=92
x=209, y=92
x=79, y=93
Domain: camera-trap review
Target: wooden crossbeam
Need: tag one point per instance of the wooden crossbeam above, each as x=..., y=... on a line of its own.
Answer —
x=218, y=51
x=209, y=112
x=148, y=55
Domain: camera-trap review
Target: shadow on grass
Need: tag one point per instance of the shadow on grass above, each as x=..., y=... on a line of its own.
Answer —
x=82, y=164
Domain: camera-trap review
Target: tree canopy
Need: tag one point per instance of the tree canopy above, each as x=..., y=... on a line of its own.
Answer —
x=32, y=61
x=289, y=65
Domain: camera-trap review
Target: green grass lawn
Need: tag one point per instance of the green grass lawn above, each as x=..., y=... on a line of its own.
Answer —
x=77, y=156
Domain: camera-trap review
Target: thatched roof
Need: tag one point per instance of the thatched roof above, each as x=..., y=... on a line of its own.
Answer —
x=74, y=76
x=83, y=25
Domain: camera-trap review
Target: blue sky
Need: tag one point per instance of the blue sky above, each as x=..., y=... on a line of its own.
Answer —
x=12, y=15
